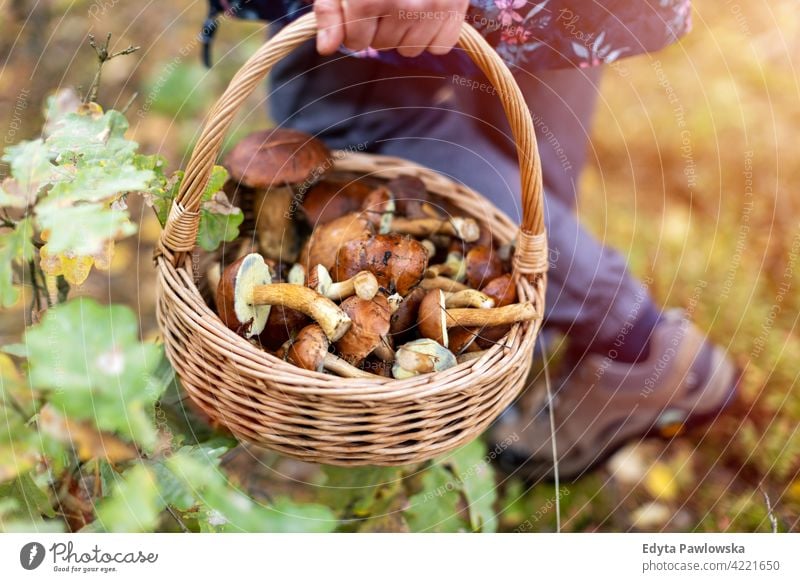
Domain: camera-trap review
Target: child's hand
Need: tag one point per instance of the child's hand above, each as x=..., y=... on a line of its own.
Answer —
x=410, y=26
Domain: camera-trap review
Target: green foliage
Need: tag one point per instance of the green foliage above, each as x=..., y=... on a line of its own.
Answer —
x=194, y=482
x=105, y=377
x=15, y=249
x=435, y=508
x=219, y=219
x=133, y=506
x=471, y=466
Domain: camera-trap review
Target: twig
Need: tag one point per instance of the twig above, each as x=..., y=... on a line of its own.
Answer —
x=36, y=303
x=63, y=289
x=177, y=518
x=103, y=56
x=124, y=110
x=550, y=404
x=770, y=514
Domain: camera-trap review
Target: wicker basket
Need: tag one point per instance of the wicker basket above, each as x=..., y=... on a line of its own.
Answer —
x=327, y=419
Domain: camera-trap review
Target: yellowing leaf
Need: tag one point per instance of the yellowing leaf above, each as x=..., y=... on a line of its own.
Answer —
x=660, y=482
x=794, y=490
x=88, y=441
x=50, y=264
x=102, y=260
x=76, y=269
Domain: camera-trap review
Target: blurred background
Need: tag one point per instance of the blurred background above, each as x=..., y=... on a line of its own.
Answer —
x=693, y=175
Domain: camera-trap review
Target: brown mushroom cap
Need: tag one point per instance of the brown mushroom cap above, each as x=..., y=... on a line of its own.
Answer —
x=432, y=317
x=232, y=308
x=322, y=246
x=309, y=348
x=397, y=261
x=369, y=329
x=502, y=289
x=483, y=265
x=411, y=197
x=331, y=198
x=277, y=156
x=462, y=339
x=283, y=324
x=404, y=319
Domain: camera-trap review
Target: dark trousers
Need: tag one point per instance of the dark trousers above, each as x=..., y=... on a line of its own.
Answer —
x=461, y=132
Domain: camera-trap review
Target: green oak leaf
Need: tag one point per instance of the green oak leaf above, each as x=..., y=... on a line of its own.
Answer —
x=353, y=490
x=100, y=181
x=91, y=136
x=15, y=248
x=219, y=219
x=162, y=189
x=32, y=501
x=89, y=359
x=477, y=483
x=133, y=506
x=31, y=169
x=223, y=508
x=82, y=229
x=435, y=508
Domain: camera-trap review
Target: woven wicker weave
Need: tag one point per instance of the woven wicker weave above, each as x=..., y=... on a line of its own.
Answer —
x=327, y=419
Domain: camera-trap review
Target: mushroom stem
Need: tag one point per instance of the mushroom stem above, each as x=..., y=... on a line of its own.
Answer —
x=442, y=283
x=464, y=228
x=384, y=352
x=468, y=298
x=507, y=315
x=340, y=367
x=333, y=321
x=430, y=247
x=364, y=284
x=453, y=267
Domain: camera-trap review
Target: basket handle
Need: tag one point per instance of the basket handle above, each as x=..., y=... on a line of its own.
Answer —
x=180, y=230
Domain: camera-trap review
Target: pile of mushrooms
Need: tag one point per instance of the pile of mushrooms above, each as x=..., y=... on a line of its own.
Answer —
x=387, y=281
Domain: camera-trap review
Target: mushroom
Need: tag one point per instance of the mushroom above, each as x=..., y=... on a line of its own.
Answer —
x=502, y=290
x=404, y=318
x=332, y=197
x=213, y=275
x=369, y=331
x=379, y=208
x=453, y=267
x=363, y=284
x=482, y=265
x=434, y=318
x=468, y=298
x=326, y=240
x=296, y=275
x=464, y=228
x=462, y=339
x=442, y=283
x=429, y=246
x=309, y=351
x=283, y=324
x=421, y=356
x=279, y=165
x=411, y=197
x=397, y=261
x=246, y=292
